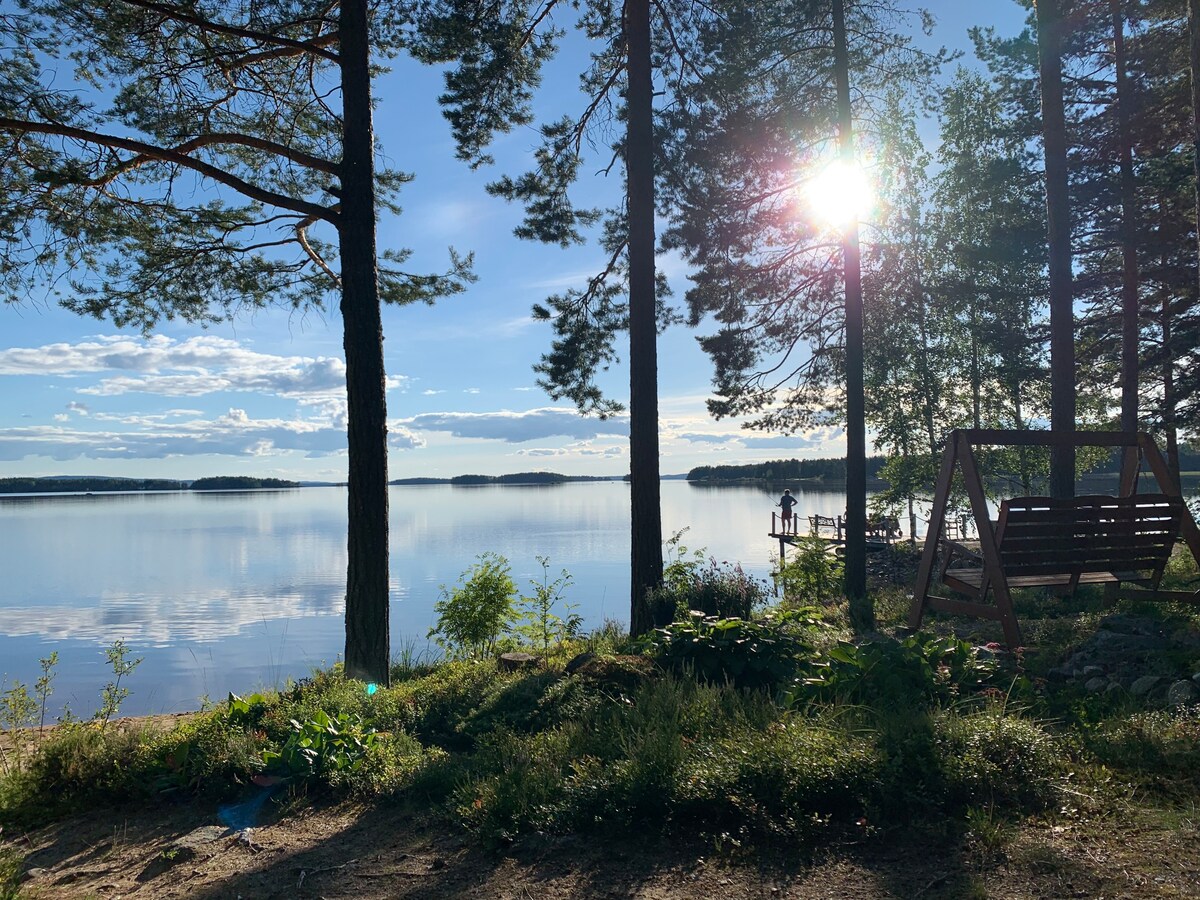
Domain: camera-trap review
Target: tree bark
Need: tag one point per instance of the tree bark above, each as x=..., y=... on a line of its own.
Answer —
x=1058, y=219
x=1129, y=218
x=1194, y=55
x=646, y=559
x=368, y=648
x=862, y=614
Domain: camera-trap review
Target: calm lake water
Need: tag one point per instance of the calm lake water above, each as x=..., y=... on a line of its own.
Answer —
x=238, y=591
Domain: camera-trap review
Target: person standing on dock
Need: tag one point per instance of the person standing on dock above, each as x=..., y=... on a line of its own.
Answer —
x=786, y=502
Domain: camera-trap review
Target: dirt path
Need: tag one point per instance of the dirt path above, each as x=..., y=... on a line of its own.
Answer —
x=387, y=851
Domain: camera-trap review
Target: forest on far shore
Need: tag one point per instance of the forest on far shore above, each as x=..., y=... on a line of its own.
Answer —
x=95, y=484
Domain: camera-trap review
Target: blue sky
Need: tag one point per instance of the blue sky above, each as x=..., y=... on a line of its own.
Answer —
x=264, y=394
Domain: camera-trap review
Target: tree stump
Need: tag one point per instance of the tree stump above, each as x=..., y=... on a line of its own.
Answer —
x=514, y=662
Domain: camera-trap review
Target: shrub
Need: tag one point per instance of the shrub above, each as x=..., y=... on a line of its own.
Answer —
x=323, y=747
x=1158, y=745
x=813, y=574
x=994, y=759
x=915, y=671
x=478, y=610
x=746, y=653
x=794, y=779
x=542, y=625
x=720, y=590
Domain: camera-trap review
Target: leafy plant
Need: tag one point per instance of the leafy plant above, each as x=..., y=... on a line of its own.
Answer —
x=478, y=610
x=113, y=695
x=747, y=653
x=323, y=745
x=17, y=712
x=910, y=672
x=542, y=625
x=44, y=686
x=245, y=711
x=813, y=574
x=715, y=589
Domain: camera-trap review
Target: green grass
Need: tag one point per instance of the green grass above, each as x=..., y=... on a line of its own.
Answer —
x=887, y=737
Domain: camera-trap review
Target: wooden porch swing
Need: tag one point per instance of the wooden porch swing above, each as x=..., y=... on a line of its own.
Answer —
x=1049, y=542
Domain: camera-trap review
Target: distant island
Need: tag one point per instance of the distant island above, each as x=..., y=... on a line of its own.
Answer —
x=240, y=483
x=106, y=484
x=779, y=471
x=514, y=478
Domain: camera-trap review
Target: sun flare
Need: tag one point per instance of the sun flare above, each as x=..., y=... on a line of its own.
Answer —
x=839, y=194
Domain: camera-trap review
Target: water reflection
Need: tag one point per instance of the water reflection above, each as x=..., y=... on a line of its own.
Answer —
x=232, y=591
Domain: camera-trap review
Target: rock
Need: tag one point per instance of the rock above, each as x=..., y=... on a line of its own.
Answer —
x=579, y=662
x=1144, y=685
x=1181, y=693
x=512, y=662
x=1196, y=678
x=1093, y=671
x=1096, y=685
x=1059, y=674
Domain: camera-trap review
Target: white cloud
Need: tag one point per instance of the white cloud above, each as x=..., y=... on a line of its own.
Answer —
x=431, y=392
x=77, y=407
x=190, y=368
x=233, y=434
x=61, y=417
x=519, y=427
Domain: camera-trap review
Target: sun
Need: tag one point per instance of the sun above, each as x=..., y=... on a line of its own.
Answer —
x=840, y=194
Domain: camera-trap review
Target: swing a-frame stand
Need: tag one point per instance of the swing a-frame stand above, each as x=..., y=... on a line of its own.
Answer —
x=1122, y=542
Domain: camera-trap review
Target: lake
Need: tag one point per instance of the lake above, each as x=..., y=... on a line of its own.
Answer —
x=240, y=591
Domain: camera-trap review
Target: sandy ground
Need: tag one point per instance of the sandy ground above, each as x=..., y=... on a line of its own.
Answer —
x=386, y=850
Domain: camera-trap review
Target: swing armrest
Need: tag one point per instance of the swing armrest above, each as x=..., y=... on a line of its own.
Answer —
x=961, y=551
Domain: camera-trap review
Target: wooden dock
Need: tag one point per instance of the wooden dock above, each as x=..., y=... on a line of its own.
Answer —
x=881, y=532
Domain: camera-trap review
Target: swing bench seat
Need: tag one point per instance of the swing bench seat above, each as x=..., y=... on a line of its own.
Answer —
x=1123, y=543
x=1063, y=543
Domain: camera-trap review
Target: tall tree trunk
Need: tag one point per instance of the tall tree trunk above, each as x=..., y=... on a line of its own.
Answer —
x=862, y=613
x=368, y=647
x=646, y=513
x=1129, y=263
x=1058, y=218
x=1194, y=47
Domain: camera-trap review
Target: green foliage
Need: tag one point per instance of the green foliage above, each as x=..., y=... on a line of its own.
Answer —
x=918, y=670
x=745, y=652
x=542, y=626
x=998, y=759
x=797, y=778
x=44, y=686
x=691, y=584
x=1161, y=748
x=10, y=872
x=81, y=765
x=113, y=695
x=323, y=746
x=813, y=575
x=247, y=711
x=17, y=713
x=478, y=610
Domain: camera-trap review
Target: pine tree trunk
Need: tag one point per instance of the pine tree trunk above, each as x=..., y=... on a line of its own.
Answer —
x=1194, y=48
x=367, y=639
x=1058, y=219
x=862, y=613
x=1129, y=264
x=646, y=560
